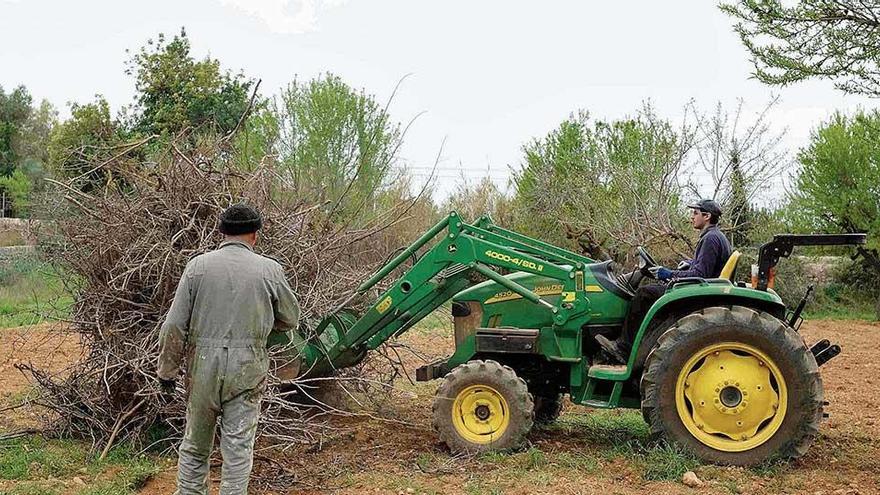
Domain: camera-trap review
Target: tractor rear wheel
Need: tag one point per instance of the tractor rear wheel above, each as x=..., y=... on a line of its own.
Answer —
x=734, y=386
x=482, y=406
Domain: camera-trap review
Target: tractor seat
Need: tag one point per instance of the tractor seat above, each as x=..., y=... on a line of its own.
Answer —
x=729, y=270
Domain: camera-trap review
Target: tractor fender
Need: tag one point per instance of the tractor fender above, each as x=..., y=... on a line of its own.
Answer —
x=680, y=300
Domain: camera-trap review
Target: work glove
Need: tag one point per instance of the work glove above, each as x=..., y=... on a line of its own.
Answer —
x=660, y=272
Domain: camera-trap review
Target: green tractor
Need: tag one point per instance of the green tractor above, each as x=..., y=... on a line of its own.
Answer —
x=717, y=367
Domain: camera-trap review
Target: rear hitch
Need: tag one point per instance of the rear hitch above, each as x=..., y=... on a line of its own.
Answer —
x=824, y=351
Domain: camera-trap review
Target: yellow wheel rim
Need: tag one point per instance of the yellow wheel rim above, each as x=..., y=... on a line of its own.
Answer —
x=731, y=396
x=480, y=414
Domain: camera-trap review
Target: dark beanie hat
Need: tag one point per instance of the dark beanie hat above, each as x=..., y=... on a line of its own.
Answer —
x=240, y=219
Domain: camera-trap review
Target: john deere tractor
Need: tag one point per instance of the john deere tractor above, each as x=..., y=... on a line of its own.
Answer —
x=717, y=367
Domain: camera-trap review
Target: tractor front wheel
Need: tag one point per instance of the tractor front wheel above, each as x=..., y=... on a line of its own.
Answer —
x=734, y=386
x=482, y=406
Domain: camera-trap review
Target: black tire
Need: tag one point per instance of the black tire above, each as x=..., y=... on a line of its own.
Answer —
x=547, y=408
x=696, y=332
x=501, y=379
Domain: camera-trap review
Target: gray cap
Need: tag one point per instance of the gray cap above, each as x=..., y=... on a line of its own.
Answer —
x=707, y=206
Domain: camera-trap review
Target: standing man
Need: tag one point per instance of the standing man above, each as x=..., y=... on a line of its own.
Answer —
x=711, y=254
x=226, y=304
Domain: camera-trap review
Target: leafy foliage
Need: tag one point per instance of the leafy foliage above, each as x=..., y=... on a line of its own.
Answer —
x=176, y=92
x=14, y=111
x=336, y=142
x=18, y=189
x=838, y=189
x=605, y=186
x=837, y=40
x=24, y=131
x=87, y=138
x=472, y=200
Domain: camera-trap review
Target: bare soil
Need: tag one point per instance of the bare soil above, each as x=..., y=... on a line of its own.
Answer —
x=47, y=346
x=399, y=452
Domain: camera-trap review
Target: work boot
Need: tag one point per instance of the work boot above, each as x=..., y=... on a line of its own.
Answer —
x=613, y=348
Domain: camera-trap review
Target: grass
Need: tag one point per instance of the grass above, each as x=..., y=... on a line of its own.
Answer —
x=622, y=435
x=842, y=312
x=837, y=301
x=10, y=237
x=36, y=465
x=604, y=428
x=437, y=323
x=603, y=438
x=31, y=291
x=666, y=462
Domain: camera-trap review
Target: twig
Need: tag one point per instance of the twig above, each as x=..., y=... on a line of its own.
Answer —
x=116, y=428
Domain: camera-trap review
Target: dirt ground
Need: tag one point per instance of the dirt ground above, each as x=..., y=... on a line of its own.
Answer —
x=400, y=453
x=50, y=350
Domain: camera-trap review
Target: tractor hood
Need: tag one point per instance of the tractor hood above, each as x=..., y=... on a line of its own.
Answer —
x=608, y=303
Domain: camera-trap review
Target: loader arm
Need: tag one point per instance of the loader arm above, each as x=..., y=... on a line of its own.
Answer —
x=443, y=270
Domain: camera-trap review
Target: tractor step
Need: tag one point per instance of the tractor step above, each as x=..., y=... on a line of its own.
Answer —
x=608, y=371
x=601, y=401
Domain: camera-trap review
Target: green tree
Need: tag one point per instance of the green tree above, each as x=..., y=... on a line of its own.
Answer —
x=838, y=188
x=837, y=40
x=24, y=134
x=175, y=92
x=483, y=197
x=15, y=108
x=740, y=216
x=17, y=187
x=258, y=136
x=606, y=187
x=336, y=143
x=80, y=144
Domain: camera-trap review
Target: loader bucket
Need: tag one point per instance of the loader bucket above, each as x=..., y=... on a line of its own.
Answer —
x=295, y=355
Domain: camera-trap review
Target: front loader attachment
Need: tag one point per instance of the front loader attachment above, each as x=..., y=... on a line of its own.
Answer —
x=461, y=253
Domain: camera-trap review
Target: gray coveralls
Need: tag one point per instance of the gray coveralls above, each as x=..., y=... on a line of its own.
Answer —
x=226, y=304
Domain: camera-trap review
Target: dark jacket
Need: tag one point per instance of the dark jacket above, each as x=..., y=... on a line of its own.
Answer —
x=713, y=250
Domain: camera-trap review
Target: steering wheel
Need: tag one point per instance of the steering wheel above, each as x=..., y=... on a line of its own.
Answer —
x=634, y=278
x=646, y=262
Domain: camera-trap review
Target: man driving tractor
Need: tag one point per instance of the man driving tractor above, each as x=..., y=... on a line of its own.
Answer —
x=712, y=252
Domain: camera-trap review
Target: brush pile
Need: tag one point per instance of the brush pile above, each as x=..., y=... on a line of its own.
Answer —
x=122, y=243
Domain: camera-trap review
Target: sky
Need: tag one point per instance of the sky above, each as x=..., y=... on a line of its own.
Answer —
x=480, y=78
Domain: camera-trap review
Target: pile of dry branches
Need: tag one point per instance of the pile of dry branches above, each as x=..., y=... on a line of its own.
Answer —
x=123, y=246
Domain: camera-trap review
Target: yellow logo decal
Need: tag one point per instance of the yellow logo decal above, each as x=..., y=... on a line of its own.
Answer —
x=541, y=290
x=594, y=288
x=568, y=297
x=384, y=305
x=516, y=261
